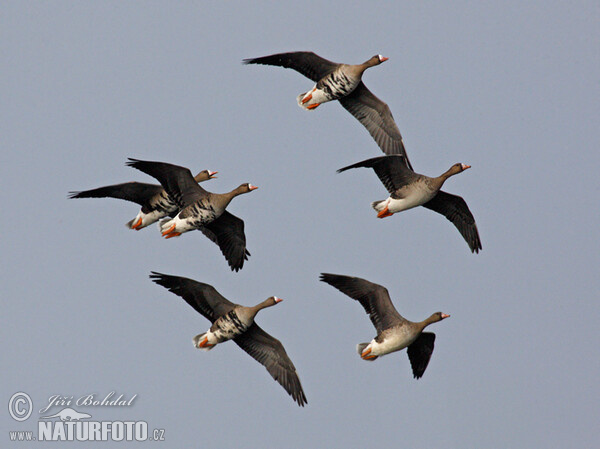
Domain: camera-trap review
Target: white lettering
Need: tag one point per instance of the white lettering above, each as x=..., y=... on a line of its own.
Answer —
x=45, y=430
x=59, y=432
x=141, y=430
x=105, y=430
x=117, y=431
x=58, y=400
x=70, y=430
x=85, y=400
x=107, y=401
x=92, y=431
x=131, y=400
x=83, y=431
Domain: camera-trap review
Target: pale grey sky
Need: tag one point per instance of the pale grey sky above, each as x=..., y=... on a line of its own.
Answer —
x=511, y=89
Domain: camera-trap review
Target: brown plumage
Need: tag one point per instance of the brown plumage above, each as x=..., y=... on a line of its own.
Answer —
x=394, y=332
x=236, y=322
x=153, y=198
x=343, y=82
x=200, y=209
x=409, y=189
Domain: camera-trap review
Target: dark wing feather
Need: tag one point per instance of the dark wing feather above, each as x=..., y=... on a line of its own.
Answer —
x=177, y=181
x=136, y=192
x=227, y=232
x=307, y=63
x=419, y=353
x=269, y=352
x=392, y=171
x=374, y=298
x=202, y=297
x=375, y=115
x=455, y=209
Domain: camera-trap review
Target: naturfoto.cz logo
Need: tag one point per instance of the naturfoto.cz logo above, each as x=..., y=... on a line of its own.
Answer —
x=70, y=424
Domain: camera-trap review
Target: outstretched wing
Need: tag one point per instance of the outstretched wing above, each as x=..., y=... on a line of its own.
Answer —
x=136, y=192
x=227, y=231
x=269, y=352
x=392, y=171
x=375, y=115
x=374, y=298
x=204, y=298
x=177, y=181
x=419, y=353
x=307, y=63
x=455, y=209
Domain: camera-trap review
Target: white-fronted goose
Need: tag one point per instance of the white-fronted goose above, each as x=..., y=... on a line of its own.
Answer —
x=394, y=332
x=153, y=198
x=200, y=209
x=409, y=189
x=342, y=82
x=232, y=321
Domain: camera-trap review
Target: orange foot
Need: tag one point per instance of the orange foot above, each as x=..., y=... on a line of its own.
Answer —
x=172, y=234
x=137, y=224
x=204, y=343
x=365, y=355
x=307, y=98
x=384, y=213
x=168, y=231
x=312, y=106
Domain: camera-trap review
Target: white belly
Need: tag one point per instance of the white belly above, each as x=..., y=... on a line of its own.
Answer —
x=395, y=206
x=320, y=96
x=392, y=343
x=417, y=197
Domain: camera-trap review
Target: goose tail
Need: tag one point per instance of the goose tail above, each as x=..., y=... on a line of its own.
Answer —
x=200, y=342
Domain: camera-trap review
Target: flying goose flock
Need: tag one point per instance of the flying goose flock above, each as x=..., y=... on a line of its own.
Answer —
x=180, y=204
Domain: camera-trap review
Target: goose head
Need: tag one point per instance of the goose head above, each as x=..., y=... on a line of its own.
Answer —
x=269, y=302
x=376, y=60
x=455, y=169
x=205, y=175
x=245, y=188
